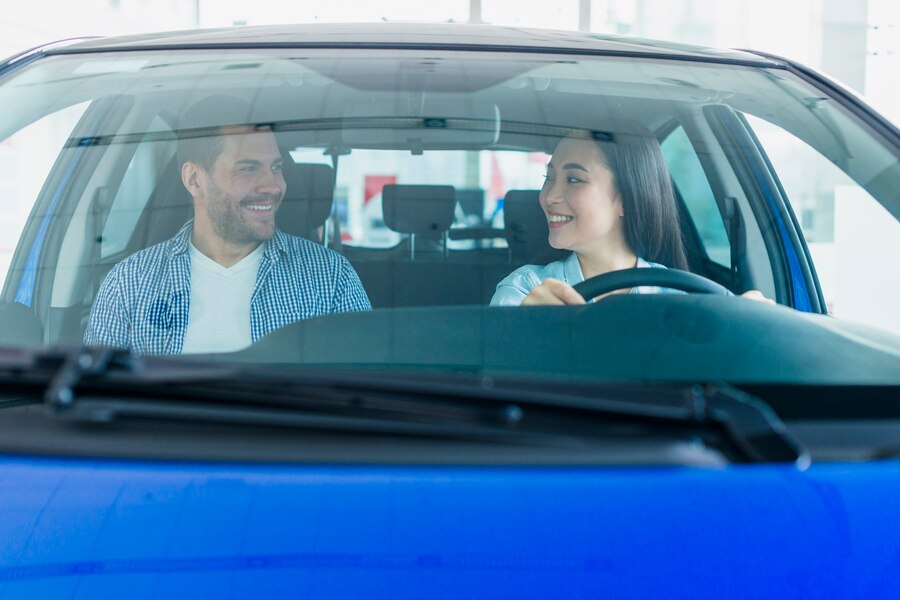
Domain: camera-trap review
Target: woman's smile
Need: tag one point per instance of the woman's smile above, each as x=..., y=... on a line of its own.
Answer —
x=557, y=221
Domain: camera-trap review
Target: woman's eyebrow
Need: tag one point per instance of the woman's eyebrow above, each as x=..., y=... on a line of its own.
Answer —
x=575, y=166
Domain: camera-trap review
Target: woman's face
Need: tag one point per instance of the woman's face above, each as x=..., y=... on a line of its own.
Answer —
x=580, y=199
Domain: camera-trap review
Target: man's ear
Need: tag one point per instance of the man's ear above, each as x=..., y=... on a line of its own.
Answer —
x=190, y=177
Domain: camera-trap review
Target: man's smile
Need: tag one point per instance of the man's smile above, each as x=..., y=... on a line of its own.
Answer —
x=260, y=206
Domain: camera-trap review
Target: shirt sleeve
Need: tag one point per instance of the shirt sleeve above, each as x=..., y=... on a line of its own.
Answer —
x=511, y=291
x=108, y=324
x=350, y=295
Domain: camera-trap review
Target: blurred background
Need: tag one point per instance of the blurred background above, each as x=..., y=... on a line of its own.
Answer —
x=854, y=41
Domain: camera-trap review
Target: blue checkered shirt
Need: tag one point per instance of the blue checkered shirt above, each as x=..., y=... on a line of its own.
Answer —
x=144, y=301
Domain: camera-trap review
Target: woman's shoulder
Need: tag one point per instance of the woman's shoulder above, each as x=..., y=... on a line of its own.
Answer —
x=513, y=288
x=526, y=277
x=650, y=289
x=646, y=263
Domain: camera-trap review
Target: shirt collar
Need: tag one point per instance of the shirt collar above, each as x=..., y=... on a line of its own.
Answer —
x=574, y=275
x=179, y=243
x=572, y=270
x=277, y=245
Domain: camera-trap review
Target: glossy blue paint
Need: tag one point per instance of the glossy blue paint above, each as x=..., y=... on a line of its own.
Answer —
x=89, y=529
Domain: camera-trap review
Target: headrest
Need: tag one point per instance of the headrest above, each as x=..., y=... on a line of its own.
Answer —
x=471, y=200
x=169, y=207
x=418, y=209
x=526, y=228
x=308, y=199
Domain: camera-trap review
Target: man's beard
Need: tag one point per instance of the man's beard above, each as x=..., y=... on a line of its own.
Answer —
x=228, y=221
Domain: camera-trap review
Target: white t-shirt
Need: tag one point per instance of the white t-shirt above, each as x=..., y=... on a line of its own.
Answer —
x=219, y=316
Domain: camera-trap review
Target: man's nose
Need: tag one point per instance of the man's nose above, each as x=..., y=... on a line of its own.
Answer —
x=271, y=182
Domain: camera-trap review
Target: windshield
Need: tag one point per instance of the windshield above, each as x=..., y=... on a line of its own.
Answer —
x=414, y=209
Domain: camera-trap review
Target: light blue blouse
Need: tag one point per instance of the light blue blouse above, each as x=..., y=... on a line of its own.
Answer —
x=513, y=289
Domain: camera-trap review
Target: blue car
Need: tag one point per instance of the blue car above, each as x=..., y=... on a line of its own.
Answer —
x=461, y=311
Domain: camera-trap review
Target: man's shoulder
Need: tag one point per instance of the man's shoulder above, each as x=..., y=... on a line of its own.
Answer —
x=141, y=259
x=300, y=248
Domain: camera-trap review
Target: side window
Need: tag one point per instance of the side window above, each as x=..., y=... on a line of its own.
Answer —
x=691, y=181
x=852, y=239
x=147, y=163
x=26, y=158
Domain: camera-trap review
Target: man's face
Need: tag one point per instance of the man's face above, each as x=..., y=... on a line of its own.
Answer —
x=244, y=188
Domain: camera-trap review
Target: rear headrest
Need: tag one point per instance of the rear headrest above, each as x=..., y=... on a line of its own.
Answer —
x=308, y=199
x=418, y=209
x=526, y=228
x=471, y=200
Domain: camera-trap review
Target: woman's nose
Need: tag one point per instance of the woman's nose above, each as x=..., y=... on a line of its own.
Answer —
x=551, y=194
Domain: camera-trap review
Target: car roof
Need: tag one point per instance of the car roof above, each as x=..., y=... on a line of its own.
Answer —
x=413, y=35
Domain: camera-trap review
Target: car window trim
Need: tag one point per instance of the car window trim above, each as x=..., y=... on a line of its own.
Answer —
x=876, y=123
x=764, y=205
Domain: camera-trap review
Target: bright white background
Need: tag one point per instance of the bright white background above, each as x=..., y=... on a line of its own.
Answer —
x=856, y=41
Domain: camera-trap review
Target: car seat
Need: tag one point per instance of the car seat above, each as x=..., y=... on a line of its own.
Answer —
x=308, y=200
x=526, y=229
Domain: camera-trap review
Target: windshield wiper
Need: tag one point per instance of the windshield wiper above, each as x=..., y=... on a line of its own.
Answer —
x=103, y=384
x=80, y=365
x=752, y=425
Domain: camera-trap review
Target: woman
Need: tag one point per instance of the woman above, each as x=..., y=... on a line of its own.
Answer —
x=612, y=205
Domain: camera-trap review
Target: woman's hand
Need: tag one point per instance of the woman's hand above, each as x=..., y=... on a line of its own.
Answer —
x=552, y=292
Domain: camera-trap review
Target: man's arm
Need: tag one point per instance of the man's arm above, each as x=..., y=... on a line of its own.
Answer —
x=109, y=323
x=350, y=295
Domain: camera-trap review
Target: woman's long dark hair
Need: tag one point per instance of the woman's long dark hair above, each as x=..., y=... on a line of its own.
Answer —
x=652, y=227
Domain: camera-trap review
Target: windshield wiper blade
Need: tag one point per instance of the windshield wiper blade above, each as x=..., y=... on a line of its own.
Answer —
x=84, y=364
x=747, y=422
x=102, y=384
x=752, y=426
x=52, y=376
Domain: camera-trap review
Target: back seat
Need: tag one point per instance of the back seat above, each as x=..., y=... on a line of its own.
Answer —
x=308, y=200
x=527, y=230
x=417, y=271
x=420, y=271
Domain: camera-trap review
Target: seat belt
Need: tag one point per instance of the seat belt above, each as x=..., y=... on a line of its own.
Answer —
x=737, y=235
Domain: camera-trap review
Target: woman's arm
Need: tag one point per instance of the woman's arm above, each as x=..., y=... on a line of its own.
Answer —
x=552, y=292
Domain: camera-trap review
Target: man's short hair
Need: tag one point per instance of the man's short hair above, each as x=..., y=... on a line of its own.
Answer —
x=202, y=129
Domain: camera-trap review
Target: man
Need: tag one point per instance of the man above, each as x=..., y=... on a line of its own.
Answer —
x=229, y=276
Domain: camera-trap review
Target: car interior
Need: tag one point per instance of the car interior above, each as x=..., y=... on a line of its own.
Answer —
x=129, y=196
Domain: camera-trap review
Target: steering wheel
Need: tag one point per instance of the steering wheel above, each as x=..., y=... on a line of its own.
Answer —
x=648, y=276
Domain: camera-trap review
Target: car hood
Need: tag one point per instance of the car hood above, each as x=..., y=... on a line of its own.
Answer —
x=89, y=528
